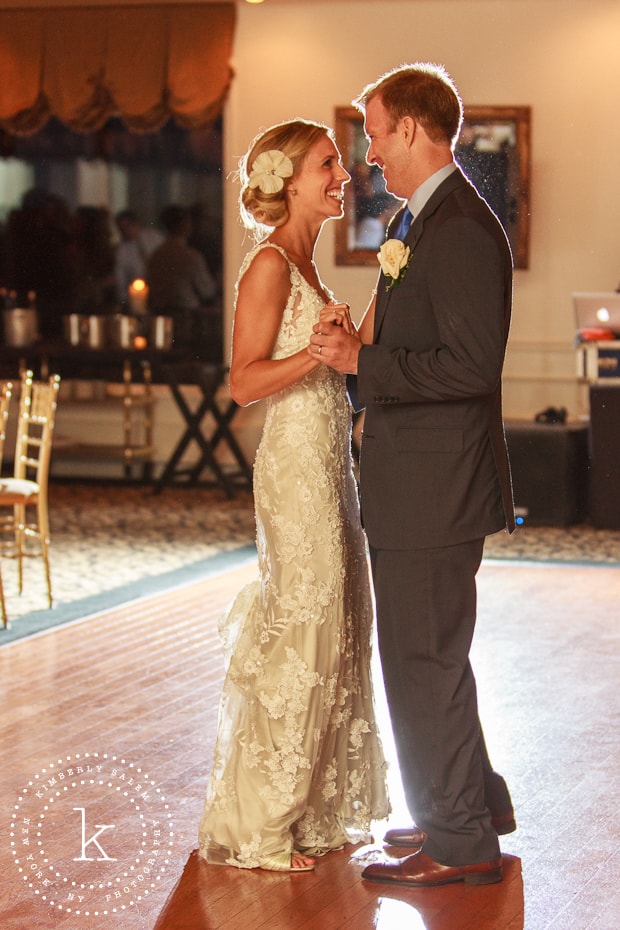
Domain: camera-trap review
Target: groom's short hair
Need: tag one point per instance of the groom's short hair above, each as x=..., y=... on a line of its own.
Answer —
x=424, y=91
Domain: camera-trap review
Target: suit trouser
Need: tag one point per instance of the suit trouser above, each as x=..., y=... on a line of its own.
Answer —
x=426, y=612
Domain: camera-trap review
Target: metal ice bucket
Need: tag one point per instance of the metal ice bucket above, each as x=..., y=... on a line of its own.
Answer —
x=85, y=331
x=71, y=327
x=20, y=326
x=92, y=332
x=122, y=331
x=161, y=332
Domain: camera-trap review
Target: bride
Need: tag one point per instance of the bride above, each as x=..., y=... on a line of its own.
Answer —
x=298, y=768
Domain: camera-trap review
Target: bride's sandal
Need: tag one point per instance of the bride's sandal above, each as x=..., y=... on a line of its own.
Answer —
x=296, y=863
x=319, y=850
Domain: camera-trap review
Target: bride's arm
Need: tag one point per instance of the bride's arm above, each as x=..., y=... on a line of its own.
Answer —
x=263, y=293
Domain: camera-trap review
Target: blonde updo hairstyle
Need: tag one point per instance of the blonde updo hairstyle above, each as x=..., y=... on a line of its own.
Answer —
x=294, y=138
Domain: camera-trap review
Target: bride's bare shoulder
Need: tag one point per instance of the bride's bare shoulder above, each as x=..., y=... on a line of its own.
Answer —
x=271, y=259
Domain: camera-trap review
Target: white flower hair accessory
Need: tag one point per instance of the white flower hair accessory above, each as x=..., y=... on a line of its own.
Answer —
x=269, y=170
x=394, y=257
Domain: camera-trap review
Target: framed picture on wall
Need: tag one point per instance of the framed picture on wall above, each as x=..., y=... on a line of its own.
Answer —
x=494, y=152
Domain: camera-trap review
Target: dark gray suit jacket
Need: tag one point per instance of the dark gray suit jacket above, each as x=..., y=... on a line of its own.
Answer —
x=434, y=467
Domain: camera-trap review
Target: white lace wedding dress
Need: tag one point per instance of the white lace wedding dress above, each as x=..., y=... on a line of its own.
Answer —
x=298, y=763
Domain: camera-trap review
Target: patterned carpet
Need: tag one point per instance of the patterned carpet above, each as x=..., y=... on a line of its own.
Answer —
x=113, y=543
x=580, y=544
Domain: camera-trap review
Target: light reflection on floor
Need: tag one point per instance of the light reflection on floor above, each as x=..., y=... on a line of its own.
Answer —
x=390, y=914
x=396, y=915
x=400, y=816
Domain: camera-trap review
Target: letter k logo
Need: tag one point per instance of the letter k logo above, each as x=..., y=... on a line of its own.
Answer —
x=93, y=839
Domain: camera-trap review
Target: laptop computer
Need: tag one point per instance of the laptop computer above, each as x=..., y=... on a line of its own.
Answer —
x=597, y=310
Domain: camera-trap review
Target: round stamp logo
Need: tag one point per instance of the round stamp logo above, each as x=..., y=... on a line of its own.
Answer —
x=91, y=834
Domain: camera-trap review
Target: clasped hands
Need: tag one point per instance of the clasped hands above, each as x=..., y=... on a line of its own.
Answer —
x=335, y=340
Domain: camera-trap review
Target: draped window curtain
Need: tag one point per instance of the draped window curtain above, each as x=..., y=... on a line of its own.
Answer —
x=86, y=65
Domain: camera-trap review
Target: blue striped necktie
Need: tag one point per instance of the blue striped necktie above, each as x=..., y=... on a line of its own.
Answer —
x=405, y=223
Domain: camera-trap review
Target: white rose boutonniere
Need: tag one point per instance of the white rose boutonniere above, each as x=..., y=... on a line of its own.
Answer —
x=394, y=257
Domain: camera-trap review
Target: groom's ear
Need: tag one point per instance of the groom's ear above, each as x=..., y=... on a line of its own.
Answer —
x=408, y=130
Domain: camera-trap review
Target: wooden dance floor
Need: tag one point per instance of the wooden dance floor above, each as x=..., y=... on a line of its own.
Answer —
x=107, y=733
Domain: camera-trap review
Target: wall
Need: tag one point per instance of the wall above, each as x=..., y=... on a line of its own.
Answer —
x=558, y=56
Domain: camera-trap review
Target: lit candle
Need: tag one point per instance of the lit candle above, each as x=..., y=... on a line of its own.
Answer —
x=138, y=297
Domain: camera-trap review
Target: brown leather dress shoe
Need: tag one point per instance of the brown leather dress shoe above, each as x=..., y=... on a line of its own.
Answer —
x=414, y=837
x=420, y=871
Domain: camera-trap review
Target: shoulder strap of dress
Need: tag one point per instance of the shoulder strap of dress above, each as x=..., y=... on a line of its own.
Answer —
x=247, y=261
x=278, y=248
x=295, y=273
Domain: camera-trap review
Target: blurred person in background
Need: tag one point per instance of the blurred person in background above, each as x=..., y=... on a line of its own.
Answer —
x=136, y=246
x=180, y=283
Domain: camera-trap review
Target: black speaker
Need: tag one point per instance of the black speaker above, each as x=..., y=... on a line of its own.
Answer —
x=605, y=453
x=549, y=463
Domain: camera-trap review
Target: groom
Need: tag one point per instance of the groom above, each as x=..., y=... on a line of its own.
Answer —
x=435, y=478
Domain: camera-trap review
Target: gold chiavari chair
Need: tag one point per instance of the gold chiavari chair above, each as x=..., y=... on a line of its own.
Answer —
x=24, y=534
x=6, y=390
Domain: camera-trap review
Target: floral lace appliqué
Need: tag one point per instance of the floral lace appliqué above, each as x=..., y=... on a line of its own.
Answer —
x=298, y=761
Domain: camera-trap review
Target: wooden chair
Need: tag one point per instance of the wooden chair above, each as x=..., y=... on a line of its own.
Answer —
x=28, y=486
